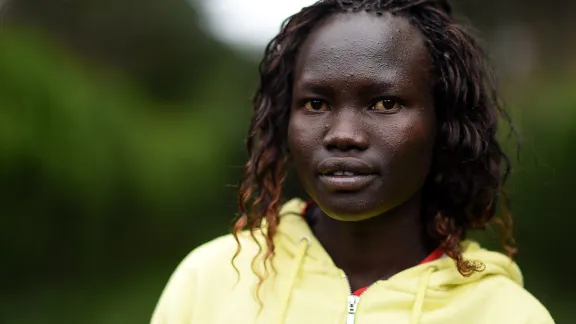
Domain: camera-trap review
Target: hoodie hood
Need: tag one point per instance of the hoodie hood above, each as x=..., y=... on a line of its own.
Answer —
x=293, y=229
x=432, y=279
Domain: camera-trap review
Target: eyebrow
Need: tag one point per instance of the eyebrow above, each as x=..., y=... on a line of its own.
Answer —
x=366, y=87
x=317, y=87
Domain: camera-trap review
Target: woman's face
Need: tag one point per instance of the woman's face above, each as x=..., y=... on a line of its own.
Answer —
x=362, y=124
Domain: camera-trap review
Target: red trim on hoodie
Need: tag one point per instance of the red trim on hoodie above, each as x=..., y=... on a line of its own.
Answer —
x=435, y=255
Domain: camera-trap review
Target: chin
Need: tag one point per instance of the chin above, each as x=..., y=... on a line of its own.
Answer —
x=347, y=207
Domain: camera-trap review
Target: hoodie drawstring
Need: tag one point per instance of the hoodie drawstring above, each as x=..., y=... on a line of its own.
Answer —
x=420, y=295
x=303, y=246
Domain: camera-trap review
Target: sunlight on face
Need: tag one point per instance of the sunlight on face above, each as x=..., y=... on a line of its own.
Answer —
x=250, y=23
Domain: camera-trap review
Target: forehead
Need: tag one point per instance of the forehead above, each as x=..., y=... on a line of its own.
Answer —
x=363, y=44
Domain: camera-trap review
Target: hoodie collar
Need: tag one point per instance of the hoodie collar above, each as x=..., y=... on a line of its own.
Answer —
x=293, y=229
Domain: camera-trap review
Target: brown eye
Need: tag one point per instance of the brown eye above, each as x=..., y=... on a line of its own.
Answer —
x=386, y=105
x=316, y=105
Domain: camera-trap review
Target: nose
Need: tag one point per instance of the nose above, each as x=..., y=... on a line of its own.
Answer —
x=346, y=133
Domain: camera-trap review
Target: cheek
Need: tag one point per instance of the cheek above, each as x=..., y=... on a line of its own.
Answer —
x=293, y=139
x=302, y=136
x=301, y=139
x=411, y=140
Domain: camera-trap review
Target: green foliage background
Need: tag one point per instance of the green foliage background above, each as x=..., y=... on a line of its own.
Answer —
x=121, y=137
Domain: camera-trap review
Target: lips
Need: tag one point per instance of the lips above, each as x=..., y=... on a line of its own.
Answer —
x=341, y=173
x=344, y=167
x=345, y=174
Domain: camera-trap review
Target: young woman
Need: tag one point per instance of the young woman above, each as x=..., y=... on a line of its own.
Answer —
x=388, y=112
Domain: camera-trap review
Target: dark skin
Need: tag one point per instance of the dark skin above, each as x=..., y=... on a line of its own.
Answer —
x=361, y=135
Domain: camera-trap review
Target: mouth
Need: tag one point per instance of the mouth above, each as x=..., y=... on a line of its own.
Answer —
x=345, y=174
x=342, y=173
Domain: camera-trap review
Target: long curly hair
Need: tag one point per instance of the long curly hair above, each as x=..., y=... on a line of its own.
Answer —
x=469, y=167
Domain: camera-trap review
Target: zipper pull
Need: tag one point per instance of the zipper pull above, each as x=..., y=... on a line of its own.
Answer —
x=352, y=305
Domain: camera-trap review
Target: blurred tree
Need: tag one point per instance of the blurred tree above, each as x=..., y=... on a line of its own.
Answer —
x=158, y=43
x=115, y=162
x=121, y=122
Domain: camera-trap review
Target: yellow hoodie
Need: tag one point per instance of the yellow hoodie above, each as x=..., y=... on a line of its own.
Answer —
x=309, y=289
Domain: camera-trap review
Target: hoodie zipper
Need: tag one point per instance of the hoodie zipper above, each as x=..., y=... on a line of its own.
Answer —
x=353, y=301
x=352, y=305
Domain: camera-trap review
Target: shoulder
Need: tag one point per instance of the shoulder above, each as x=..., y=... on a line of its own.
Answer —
x=215, y=258
x=205, y=270
x=498, y=291
x=222, y=251
x=510, y=302
x=211, y=252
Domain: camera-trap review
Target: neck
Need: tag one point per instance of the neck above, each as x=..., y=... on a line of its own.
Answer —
x=376, y=248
